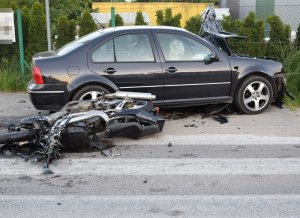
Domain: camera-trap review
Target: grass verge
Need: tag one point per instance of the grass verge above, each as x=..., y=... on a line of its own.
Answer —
x=11, y=80
x=292, y=65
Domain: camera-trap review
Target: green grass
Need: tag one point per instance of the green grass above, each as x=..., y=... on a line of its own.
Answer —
x=11, y=80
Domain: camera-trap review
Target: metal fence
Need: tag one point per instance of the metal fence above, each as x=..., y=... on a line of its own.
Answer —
x=102, y=13
x=289, y=14
x=128, y=11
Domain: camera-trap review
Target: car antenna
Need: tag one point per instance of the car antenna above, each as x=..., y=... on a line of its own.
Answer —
x=103, y=27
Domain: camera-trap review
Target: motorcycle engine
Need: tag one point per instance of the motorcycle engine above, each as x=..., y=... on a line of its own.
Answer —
x=75, y=137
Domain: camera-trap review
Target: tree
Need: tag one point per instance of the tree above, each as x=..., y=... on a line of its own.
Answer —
x=118, y=20
x=86, y=23
x=139, y=19
x=167, y=18
x=37, y=30
x=65, y=31
x=279, y=44
x=193, y=24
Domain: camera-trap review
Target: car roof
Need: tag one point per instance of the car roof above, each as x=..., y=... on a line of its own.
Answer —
x=124, y=28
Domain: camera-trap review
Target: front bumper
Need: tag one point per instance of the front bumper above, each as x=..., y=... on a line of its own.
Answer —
x=47, y=97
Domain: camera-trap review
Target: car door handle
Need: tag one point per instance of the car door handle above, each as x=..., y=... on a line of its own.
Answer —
x=110, y=70
x=171, y=70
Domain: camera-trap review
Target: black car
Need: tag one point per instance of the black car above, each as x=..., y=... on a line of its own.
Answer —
x=179, y=67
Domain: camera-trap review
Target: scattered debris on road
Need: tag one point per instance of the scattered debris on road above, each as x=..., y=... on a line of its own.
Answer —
x=221, y=119
x=116, y=155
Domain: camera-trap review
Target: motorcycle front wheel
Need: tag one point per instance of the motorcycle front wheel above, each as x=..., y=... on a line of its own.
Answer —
x=7, y=137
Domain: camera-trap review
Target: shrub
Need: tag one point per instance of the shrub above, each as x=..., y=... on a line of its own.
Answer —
x=139, y=20
x=292, y=66
x=86, y=23
x=37, y=30
x=251, y=28
x=279, y=44
x=11, y=80
x=167, y=19
x=193, y=24
x=298, y=37
x=118, y=20
x=25, y=25
x=254, y=44
x=230, y=25
x=65, y=31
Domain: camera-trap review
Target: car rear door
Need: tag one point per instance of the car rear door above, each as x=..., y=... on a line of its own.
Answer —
x=131, y=61
x=187, y=77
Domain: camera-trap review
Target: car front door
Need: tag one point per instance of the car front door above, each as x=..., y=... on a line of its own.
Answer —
x=188, y=78
x=131, y=62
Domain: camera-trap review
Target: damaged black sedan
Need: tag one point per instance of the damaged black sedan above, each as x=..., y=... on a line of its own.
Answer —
x=180, y=68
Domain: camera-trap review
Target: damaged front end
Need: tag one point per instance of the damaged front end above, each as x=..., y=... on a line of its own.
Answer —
x=212, y=31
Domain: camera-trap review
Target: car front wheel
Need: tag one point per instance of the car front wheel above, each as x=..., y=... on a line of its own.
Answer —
x=90, y=92
x=254, y=95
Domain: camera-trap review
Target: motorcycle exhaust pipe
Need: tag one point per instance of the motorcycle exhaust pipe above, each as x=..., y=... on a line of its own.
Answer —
x=134, y=95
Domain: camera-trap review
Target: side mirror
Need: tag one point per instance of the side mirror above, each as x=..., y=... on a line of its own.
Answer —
x=212, y=57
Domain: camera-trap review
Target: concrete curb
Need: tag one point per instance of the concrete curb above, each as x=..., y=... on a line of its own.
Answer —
x=208, y=139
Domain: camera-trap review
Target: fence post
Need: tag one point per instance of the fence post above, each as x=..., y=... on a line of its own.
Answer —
x=112, y=18
x=20, y=40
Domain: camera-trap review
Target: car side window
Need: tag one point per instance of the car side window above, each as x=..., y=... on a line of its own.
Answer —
x=177, y=47
x=105, y=53
x=133, y=48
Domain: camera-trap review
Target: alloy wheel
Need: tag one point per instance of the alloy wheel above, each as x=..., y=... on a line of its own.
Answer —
x=92, y=95
x=256, y=96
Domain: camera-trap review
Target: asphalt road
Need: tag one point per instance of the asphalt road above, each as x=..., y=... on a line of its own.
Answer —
x=248, y=167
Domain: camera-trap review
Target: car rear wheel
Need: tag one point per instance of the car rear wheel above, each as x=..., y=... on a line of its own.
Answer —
x=254, y=95
x=89, y=93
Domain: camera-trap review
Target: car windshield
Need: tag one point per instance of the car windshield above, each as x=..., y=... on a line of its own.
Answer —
x=78, y=42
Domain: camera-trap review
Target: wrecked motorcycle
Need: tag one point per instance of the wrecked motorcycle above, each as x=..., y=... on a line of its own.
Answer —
x=84, y=123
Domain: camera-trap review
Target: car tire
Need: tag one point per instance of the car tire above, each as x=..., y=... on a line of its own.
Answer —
x=254, y=95
x=90, y=92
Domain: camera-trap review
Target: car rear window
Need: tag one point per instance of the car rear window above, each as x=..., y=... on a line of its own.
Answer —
x=78, y=42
